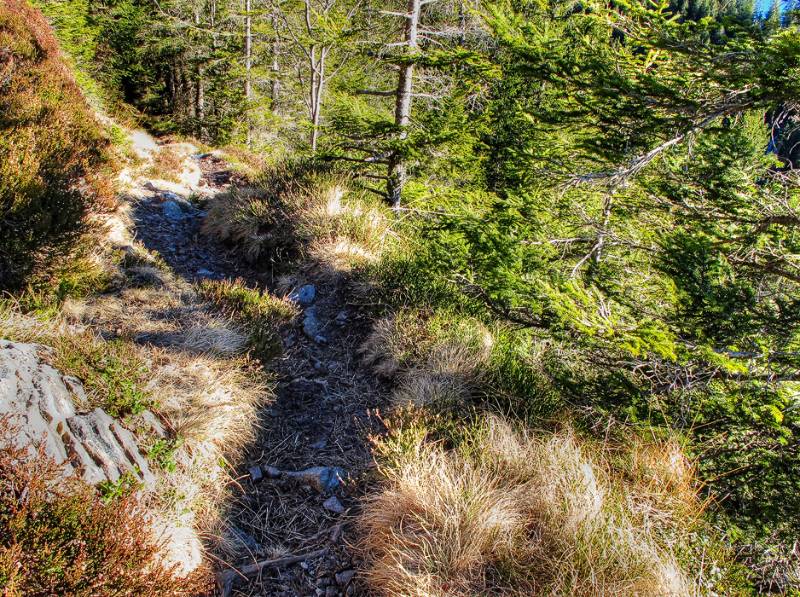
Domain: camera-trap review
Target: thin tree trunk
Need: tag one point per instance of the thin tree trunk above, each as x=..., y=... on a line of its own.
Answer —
x=200, y=104
x=248, y=59
x=317, y=86
x=200, y=96
x=312, y=96
x=172, y=90
x=276, y=83
x=317, y=67
x=462, y=20
x=402, y=111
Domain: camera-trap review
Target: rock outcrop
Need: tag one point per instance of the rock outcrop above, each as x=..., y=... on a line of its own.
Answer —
x=41, y=403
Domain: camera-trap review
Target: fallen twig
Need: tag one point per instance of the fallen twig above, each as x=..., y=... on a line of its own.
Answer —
x=226, y=577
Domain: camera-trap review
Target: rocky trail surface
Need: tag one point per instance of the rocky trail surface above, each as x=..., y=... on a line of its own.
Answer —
x=298, y=488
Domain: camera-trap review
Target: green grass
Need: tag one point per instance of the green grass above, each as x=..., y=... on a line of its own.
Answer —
x=113, y=373
x=259, y=312
x=162, y=453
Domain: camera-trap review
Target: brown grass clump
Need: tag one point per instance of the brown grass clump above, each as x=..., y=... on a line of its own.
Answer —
x=57, y=537
x=242, y=160
x=509, y=513
x=305, y=214
x=435, y=360
x=55, y=161
x=167, y=164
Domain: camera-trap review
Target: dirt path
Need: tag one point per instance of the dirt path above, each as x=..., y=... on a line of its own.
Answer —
x=321, y=416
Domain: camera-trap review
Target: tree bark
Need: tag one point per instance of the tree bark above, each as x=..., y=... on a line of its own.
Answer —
x=200, y=104
x=317, y=67
x=248, y=60
x=276, y=83
x=402, y=111
x=317, y=88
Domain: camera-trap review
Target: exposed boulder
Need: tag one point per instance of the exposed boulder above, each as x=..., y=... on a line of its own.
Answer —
x=41, y=401
x=172, y=211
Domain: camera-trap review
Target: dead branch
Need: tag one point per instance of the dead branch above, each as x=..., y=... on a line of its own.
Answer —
x=226, y=578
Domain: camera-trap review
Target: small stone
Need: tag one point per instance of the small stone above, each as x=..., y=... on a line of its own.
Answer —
x=304, y=565
x=319, y=445
x=205, y=273
x=325, y=479
x=170, y=196
x=320, y=339
x=341, y=318
x=256, y=473
x=345, y=576
x=333, y=504
x=311, y=325
x=253, y=546
x=304, y=295
x=172, y=211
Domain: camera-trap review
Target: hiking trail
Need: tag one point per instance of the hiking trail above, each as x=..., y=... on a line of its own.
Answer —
x=323, y=409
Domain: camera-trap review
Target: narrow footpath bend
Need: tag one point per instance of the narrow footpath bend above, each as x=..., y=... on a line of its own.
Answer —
x=322, y=415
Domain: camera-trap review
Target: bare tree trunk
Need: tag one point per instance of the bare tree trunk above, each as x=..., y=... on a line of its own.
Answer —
x=200, y=97
x=276, y=83
x=462, y=20
x=172, y=89
x=317, y=88
x=317, y=67
x=402, y=111
x=200, y=103
x=248, y=61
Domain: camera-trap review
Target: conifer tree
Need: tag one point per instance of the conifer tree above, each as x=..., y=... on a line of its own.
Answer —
x=774, y=19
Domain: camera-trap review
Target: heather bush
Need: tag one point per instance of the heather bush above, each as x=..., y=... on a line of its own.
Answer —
x=55, y=162
x=58, y=537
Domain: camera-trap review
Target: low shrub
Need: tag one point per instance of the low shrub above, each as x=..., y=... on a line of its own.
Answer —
x=58, y=537
x=55, y=161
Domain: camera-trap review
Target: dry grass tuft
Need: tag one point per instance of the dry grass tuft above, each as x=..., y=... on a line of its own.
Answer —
x=308, y=215
x=167, y=164
x=435, y=360
x=214, y=337
x=507, y=513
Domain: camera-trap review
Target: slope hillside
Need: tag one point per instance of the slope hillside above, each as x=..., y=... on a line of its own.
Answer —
x=55, y=159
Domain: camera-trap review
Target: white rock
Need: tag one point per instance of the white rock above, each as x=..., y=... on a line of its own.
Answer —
x=41, y=402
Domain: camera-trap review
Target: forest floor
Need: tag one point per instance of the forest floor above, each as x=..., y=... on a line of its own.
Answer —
x=322, y=414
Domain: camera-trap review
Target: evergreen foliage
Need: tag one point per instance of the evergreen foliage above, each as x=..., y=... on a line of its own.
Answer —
x=611, y=185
